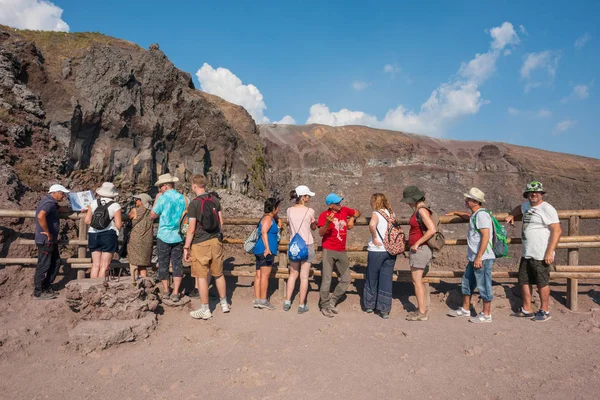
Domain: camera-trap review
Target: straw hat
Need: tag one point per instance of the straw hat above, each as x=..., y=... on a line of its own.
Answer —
x=146, y=200
x=476, y=195
x=166, y=178
x=107, y=190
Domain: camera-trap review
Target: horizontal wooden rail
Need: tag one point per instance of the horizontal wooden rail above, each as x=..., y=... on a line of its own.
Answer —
x=563, y=214
x=283, y=243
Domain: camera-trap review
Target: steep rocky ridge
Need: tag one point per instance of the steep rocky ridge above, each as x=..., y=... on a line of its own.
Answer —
x=357, y=161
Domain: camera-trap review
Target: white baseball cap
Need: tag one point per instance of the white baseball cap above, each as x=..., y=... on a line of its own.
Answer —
x=303, y=190
x=58, y=188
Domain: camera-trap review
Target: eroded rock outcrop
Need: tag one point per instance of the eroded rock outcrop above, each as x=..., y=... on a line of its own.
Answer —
x=110, y=313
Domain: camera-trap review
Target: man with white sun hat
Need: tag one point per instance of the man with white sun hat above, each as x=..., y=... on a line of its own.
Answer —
x=47, y=227
x=480, y=257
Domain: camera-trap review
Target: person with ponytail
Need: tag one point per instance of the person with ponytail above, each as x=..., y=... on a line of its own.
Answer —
x=380, y=264
x=301, y=220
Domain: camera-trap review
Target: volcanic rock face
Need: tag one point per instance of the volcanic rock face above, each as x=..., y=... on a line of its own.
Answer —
x=84, y=108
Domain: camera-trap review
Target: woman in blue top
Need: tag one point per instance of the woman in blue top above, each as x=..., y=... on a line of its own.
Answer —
x=264, y=251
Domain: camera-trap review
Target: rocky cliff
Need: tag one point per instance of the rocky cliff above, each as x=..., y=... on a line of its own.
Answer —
x=81, y=108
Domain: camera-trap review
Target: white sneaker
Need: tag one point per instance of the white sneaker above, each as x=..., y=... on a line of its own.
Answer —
x=459, y=312
x=225, y=307
x=481, y=318
x=200, y=314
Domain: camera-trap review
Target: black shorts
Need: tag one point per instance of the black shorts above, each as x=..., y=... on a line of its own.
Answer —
x=106, y=242
x=534, y=272
x=262, y=261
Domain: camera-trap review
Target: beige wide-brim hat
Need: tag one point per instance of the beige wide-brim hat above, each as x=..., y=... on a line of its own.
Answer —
x=145, y=199
x=166, y=178
x=476, y=195
x=107, y=190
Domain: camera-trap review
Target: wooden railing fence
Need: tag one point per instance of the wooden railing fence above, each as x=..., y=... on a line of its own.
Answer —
x=571, y=240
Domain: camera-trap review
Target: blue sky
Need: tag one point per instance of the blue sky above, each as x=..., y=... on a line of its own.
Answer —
x=516, y=72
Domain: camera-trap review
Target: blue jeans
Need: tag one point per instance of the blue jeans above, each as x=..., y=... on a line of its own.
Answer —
x=480, y=278
x=378, y=283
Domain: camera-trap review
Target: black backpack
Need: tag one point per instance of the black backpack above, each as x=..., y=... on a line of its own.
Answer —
x=209, y=219
x=101, y=217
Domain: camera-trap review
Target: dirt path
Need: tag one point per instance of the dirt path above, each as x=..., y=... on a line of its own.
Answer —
x=258, y=354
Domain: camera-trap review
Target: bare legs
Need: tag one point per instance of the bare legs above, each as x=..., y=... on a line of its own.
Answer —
x=100, y=264
x=420, y=292
x=298, y=270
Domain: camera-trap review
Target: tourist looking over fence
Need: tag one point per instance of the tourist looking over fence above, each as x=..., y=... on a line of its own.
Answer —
x=301, y=221
x=540, y=234
x=169, y=206
x=421, y=230
x=333, y=228
x=141, y=236
x=380, y=264
x=265, y=251
x=47, y=227
x=104, y=218
x=480, y=257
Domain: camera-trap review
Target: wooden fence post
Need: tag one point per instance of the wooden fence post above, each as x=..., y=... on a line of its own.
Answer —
x=81, y=250
x=572, y=283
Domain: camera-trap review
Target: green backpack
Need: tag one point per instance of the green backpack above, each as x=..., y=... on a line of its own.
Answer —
x=500, y=238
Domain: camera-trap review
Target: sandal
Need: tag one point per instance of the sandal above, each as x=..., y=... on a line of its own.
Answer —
x=175, y=297
x=165, y=295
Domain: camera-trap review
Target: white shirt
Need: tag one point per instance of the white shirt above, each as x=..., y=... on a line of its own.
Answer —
x=481, y=219
x=382, y=226
x=536, y=231
x=111, y=212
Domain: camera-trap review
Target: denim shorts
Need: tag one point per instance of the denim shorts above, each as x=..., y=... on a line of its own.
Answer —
x=262, y=261
x=106, y=242
x=480, y=278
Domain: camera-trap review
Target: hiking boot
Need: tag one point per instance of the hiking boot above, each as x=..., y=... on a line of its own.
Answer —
x=417, y=316
x=265, y=304
x=385, y=315
x=45, y=296
x=327, y=312
x=333, y=308
x=194, y=294
x=541, y=316
x=481, y=318
x=225, y=306
x=287, y=305
x=201, y=313
x=459, y=312
x=523, y=314
x=302, y=309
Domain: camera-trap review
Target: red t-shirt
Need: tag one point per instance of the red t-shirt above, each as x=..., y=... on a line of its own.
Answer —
x=335, y=237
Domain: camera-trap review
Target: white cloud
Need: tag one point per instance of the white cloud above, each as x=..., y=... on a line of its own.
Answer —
x=391, y=69
x=224, y=83
x=582, y=40
x=523, y=30
x=541, y=113
x=563, y=126
x=447, y=103
x=539, y=69
x=579, y=92
x=504, y=35
x=359, y=86
x=287, y=120
x=39, y=15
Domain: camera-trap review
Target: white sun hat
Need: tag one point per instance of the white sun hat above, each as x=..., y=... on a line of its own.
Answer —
x=107, y=190
x=303, y=190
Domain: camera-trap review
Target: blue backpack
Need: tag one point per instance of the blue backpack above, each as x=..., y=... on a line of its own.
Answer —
x=297, y=249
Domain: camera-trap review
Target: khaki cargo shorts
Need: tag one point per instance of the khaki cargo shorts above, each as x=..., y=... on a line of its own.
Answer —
x=206, y=256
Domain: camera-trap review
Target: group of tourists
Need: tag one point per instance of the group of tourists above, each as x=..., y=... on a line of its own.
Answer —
x=192, y=231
